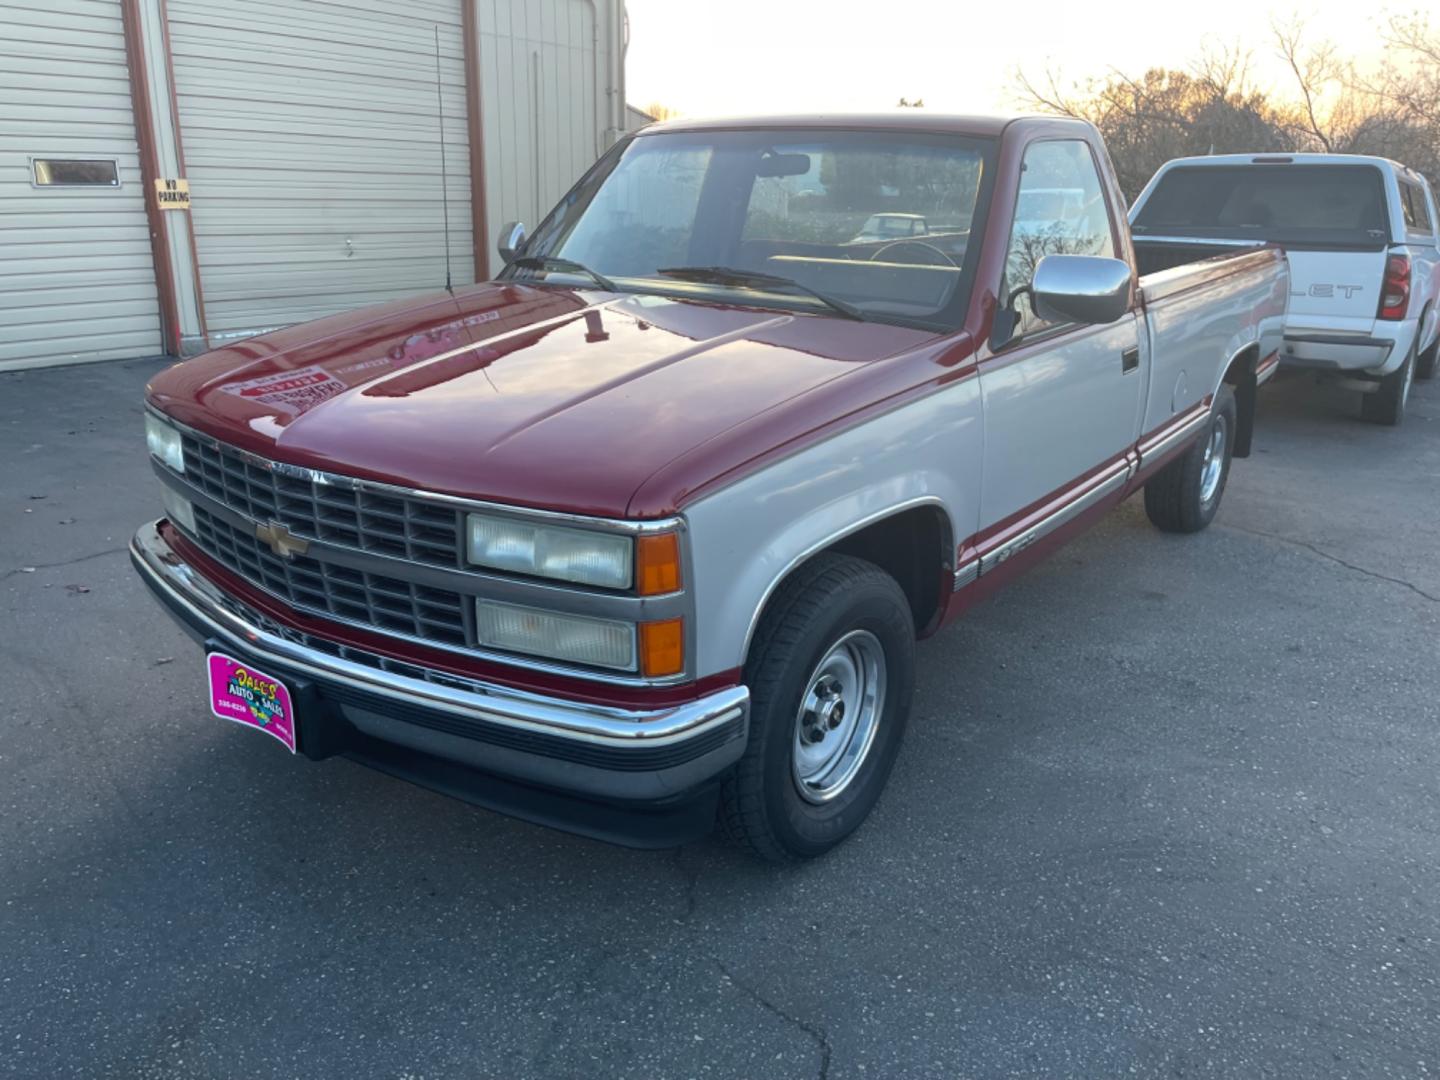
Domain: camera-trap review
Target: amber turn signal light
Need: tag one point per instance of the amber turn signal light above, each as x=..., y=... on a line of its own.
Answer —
x=662, y=647
x=657, y=564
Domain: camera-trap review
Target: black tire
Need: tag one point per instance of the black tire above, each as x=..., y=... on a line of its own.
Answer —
x=1425, y=362
x=1386, y=405
x=830, y=598
x=1175, y=497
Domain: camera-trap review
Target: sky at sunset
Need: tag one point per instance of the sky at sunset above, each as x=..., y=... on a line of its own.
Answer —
x=708, y=57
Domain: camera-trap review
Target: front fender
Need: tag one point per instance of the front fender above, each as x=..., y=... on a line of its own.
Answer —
x=748, y=536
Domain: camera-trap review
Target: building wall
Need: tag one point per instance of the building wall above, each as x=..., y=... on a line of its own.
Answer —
x=635, y=119
x=542, y=115
x=76, y=277
x=553, y=100
x=309, y=133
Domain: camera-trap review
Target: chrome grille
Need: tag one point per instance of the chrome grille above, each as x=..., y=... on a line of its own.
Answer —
x=398, y=526
x=377, y=600
x=346, y=652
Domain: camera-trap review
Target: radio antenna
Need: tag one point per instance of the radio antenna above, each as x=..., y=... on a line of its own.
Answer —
x=444, y=169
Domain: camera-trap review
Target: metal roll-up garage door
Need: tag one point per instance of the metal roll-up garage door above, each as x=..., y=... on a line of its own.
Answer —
x=312, y=146
x=77, y=278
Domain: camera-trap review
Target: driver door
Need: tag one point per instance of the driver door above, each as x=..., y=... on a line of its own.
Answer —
x=1061, y=401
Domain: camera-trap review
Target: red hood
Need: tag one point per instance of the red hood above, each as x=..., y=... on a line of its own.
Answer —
x=537, y=397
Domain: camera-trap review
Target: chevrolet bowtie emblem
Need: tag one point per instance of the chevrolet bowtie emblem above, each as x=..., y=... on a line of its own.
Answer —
x=282, y=541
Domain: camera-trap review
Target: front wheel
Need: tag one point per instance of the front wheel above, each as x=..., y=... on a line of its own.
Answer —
x=1184, y=495
x=831, y=675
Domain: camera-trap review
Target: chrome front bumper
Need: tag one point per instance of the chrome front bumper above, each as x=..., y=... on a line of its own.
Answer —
x=590, y=750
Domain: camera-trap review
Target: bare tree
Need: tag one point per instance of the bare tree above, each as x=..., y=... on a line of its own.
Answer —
x=1162, y=114
x=1410, y=84
x=1046, y=95
x=1315, y=68
x=657, y=111
x=1213, y=105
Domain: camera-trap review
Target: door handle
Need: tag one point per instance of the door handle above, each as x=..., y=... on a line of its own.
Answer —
x=1130, y=359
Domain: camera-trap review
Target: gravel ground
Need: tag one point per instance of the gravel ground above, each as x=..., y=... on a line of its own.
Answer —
x=1167, y=808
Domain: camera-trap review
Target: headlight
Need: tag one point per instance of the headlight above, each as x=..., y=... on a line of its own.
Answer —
x=550, y=551
x=578, y=639
x=164, y=443
x=178, y=509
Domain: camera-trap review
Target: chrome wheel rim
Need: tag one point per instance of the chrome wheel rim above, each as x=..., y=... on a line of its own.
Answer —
x=1409, y=380
x=838, y=716
x=1213, y=463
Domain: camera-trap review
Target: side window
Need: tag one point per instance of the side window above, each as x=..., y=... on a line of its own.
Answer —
x=1407, y=204
x=1415, y=206
x=1060, y=211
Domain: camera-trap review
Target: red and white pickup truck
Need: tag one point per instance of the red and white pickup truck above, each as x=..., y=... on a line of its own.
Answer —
x=642, y=534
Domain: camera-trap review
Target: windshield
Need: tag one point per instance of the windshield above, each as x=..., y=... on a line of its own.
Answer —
x=879, y=222
x=1319, y=205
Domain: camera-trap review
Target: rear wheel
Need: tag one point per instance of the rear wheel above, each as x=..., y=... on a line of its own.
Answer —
x=831, y=675
x=1425, y=362
x=1386, y=405
x=1184, y=495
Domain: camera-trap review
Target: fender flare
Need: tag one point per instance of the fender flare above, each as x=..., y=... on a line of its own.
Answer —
x=1246, y=392
x=1425, y=313
x=813, y=549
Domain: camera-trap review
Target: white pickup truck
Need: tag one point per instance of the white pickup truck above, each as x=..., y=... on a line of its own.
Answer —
x=1360, y=233
x=643, y=533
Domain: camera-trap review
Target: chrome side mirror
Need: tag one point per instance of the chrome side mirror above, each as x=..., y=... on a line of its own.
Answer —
x=512, y=240
x=1081, y=289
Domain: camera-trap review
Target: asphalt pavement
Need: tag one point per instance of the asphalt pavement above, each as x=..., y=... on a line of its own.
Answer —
x=1167, y=808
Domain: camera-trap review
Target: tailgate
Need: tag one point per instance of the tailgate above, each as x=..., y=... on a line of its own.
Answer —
x=1335, y=289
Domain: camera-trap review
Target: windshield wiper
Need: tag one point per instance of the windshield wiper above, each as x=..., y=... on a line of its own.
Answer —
x=565, y=266
x=756, y=279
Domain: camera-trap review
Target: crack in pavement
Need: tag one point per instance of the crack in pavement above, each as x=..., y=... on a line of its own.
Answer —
x=65, y=562
x=1335, y=559
x=692, y=884
x=817, y=1034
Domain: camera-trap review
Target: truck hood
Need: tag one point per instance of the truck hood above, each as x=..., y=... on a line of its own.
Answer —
x=538, y=397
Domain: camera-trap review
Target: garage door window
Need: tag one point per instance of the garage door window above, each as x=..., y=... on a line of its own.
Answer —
x=75, y=172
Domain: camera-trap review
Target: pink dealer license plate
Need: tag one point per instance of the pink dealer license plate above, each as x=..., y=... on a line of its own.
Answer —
x=238, y=692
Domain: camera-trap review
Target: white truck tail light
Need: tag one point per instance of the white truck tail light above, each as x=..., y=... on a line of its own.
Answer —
x=1395, y=290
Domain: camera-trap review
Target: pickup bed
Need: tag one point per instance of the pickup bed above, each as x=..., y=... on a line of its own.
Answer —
x=642, y=534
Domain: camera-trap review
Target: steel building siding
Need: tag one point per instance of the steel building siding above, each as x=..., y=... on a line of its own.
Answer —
x=77, y=278
x=313, y=152
x=541, y=117
x=309, y=136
